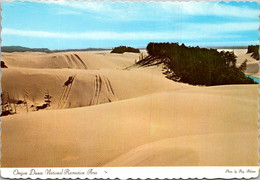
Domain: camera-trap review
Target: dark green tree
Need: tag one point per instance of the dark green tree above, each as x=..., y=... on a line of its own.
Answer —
x=198, y=66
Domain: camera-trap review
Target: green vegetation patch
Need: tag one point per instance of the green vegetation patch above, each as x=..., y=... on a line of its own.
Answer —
x=122, y=49
x=195, y=65
x=254, y=49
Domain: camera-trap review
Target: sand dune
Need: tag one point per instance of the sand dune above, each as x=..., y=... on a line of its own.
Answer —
x=192, y=151
x=117, y=117
x=238, y=52
x=95, y=135
x=253, y=69
x=252, y=64
x=72, y=60
x=90, y=87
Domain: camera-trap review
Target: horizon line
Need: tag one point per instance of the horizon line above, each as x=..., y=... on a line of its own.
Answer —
x=110, y=48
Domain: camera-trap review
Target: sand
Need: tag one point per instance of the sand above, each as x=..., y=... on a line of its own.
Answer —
x=117, y=117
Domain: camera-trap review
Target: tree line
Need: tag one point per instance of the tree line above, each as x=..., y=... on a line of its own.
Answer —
x=197, y=66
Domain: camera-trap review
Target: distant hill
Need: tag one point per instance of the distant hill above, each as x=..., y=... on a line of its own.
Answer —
x=227, y=47
x=22, y=49
x=86, y=49
x=46, y=50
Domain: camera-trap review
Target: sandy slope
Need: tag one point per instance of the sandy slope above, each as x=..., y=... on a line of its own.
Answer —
x=71, y=60
x=90, y=87
x=193, y=150
x=100, y=78
x=95, y=135
x=149, y=121
x=252, y=64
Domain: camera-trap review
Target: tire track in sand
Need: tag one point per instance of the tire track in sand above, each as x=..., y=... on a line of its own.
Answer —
x=69, y=61
x=75, y=61
x=97, y=90
x=65, y=94
x=81, y=61
x=108, y=91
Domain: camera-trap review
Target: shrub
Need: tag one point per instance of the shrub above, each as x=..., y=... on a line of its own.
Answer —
x=122, y=49
x=3, y=65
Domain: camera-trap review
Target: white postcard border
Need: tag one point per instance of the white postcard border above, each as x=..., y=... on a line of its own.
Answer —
x=212, y=172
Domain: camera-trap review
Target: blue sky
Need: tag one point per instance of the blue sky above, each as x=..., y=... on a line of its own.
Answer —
x=82, y=24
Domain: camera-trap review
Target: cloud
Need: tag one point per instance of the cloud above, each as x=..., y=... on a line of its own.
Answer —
x=100, y=35
x=188, y=32
x=68, y=12
x=136, y=22
x=83, y=5
x=144, y=10
x=221, y=28
x=103, y=10
x=210, y=8
x=224, y=43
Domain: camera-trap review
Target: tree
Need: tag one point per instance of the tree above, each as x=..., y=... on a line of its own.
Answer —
x=243, y=66
x=254, y=49
x=197, y=66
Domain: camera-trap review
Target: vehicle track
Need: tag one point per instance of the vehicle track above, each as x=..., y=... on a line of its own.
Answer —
x=108, y=92
x=69, y=61
x=97, y=90
x=81, y=61
x=75, y=61
x=65, y=94
x=108, y=85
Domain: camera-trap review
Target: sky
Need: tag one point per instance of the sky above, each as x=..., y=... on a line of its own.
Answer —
x=63, y=24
